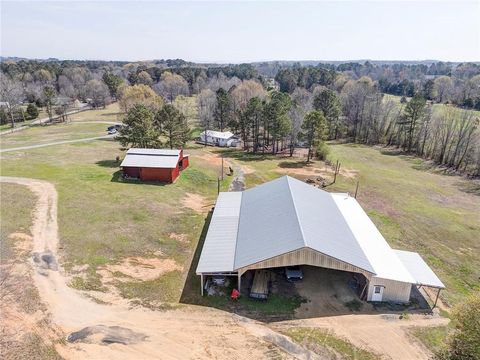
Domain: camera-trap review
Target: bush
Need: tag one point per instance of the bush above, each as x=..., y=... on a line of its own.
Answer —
x=322, y=151
x=464, y=343
x=32, y=111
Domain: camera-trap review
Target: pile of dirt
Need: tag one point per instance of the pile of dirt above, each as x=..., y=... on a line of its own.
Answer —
x=142, y=269
x=196, y=202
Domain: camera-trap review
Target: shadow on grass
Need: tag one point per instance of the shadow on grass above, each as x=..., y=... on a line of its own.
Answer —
x=118, y=178
x=293, y=164
x=108, y=163
x=246, y=156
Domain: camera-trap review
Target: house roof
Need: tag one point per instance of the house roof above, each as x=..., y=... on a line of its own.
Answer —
x=419, y=269
x=286, y=214
x=151, y=158
x=218, y=134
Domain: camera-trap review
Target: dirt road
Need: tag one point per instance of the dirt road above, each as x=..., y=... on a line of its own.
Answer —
x=97, y=331
x=117, y=331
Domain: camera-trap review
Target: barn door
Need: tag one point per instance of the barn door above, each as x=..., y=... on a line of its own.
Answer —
x=377, y=293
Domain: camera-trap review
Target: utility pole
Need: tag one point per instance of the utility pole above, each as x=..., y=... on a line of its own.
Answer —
x=218, y=185
x=356, y=190
x=222, y=167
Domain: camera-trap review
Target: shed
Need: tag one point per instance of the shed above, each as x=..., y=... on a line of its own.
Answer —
x=154, y=164
x=286, y=222
x=218, y=138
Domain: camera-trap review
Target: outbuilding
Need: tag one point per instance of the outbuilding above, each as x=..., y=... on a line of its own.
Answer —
x=287, y=222
x=218, y=138
x=154, y=164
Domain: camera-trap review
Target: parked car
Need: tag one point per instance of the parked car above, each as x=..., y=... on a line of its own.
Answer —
x=112, y=131
x=294, y=273
x=218, y=280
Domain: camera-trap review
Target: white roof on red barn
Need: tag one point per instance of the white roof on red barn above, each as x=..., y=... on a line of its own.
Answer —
x=151, y=158
x=285, y=215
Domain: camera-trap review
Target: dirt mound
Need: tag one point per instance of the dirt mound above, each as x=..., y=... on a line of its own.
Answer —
x=143, y=269
x=196, y=202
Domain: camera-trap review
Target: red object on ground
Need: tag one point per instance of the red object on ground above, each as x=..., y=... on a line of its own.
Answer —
x=235, y=294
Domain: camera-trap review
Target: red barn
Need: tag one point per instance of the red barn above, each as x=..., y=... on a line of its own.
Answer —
x=154, y=164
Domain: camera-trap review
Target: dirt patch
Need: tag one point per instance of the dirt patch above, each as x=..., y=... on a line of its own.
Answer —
x=214, y=159
x=143, y=269
x=247, y=169
x=300, y=169
x=179, y=237
x=196, y=202
x=22, y=241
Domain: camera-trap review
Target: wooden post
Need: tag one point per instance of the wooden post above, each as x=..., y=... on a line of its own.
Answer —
x=356, y=190
x=218, y=186
x=239, y=282
x=436, y=299
x=222, y=167
x=201, y=282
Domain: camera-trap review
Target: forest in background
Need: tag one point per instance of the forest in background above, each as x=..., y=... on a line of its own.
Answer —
x=273, y=106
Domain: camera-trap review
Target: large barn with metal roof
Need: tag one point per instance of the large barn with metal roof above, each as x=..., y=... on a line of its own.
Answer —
x=287, y=222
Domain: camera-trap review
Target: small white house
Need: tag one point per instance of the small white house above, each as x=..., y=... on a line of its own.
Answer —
x=218, y=138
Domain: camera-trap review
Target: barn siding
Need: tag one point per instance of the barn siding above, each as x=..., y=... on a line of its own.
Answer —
x=131, y=171
x=157, y=174
x=305, y=256
x=395, y=291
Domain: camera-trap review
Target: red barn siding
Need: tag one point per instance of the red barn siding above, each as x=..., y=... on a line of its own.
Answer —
x=184, y=162
x=132, y=171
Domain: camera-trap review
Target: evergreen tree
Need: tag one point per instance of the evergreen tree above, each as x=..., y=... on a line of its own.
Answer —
x=223, y=108
x=173, y=125
x=314, y=131
x=328, y=102
x=139, y=130
x=32, y=111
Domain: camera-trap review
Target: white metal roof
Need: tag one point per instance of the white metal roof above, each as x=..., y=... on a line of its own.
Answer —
x=419, y=269
x=218, y=134
x=151, y=158
x=285, y=215
x=219, y=248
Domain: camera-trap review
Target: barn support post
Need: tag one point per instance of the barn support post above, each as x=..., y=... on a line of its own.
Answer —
x=201, y=283
x=239, y=282
x=436, y=298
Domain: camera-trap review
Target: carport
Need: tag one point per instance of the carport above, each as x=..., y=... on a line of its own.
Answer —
x=286, y=222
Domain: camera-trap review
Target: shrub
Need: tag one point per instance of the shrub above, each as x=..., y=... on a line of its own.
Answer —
x=322, y=151
x=32, y=111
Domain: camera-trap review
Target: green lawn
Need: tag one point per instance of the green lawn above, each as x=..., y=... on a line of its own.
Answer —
x=414, y=208
x=434, y=338
x=51, y=133
x=103, y=219
x=326, y=344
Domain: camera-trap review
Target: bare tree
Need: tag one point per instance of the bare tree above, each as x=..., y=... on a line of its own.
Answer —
x=11, y=93
x=171, y=85
x=301, y=105
x=206, y=103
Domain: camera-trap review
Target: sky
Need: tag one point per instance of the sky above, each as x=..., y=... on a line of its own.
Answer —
x=230, y=31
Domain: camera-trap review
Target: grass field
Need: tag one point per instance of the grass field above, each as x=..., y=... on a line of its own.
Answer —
x=104, y=220
x=414, y=208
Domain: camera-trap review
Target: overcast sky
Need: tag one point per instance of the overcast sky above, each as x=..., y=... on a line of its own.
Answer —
x=242, y=31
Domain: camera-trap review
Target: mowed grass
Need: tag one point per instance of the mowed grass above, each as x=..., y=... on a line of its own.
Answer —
x=329, y=346
x=52, y=133
x=16, y=216
x=434, y=338
x=103, y=219
x=415, y=209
